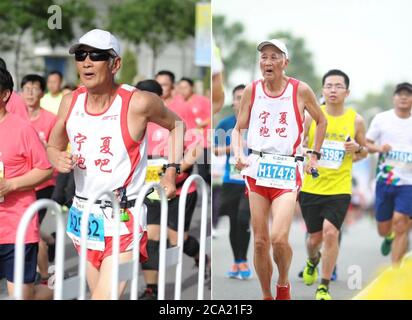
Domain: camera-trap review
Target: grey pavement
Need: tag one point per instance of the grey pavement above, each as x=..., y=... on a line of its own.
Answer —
x=358, y=262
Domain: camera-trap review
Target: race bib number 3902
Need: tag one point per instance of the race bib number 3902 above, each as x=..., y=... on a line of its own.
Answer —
x=276, y=172
x=95, y=235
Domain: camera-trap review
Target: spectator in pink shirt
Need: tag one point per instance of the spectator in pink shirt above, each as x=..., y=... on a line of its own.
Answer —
x=197, y=118
x=43, y=121
x=15, y=104
x=25, y=166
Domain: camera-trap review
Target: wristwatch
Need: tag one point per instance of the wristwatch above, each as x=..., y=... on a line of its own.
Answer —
x=174, y=165
x=317, y=154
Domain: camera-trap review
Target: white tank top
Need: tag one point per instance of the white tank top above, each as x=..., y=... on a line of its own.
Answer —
x=275, y=125
x=108, y=156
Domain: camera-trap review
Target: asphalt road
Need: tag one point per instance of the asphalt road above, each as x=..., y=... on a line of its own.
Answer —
x=358, y=262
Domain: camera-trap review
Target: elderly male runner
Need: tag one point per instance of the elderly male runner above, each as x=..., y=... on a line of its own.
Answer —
x=105, y=124
x=272, y=109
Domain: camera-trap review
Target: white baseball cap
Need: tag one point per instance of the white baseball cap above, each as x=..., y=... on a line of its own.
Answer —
x=98, y=39
x=274, y=42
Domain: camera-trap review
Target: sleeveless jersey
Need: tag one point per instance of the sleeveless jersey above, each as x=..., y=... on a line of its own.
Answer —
x=275, y=124
x=108, y=156
x=335, y=166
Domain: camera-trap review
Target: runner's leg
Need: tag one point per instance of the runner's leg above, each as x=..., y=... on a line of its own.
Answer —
x=103, y=287
x=330, y=249
x=400, y=243
x=282, y=209
x=259, y=209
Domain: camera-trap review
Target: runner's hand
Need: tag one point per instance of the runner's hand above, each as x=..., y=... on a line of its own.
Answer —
x=241, y=163
x=311, y=164
x=385, y=148
x=5, y=187
x=351, y=146
x=168, y=184
x=66, y=162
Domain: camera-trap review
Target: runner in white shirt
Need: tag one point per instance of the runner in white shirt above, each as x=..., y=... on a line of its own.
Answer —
x=272, y=109
x=105, y=124
x=390, y=134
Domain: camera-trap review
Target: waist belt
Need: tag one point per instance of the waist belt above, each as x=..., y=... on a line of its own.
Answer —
x=261, y=153
x=107, y=203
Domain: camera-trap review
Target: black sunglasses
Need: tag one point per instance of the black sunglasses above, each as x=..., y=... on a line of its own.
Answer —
x=80, y=55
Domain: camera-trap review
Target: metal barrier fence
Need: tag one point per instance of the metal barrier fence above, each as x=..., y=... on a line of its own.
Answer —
x=75, y=287
x=19, y=247
x=180, y=237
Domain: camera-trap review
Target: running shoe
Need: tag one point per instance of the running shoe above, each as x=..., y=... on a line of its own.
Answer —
x=322, y=293
x=387, y=244
x=310, y=273
x=233, y=273
x=244, y=271
x=283, y=292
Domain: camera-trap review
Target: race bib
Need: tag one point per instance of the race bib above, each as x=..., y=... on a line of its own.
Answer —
x=333, y=153
x=276, y=171
x=234, y=174
x=399, y=157
x=95, y=234
x=154, y=169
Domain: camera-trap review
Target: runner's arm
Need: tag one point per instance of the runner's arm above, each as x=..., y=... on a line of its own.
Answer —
x=306, y=128
x=373, y=147
x=27, y=181
x=373, y=135
x=242, y=123
x=218, y=93
x=221, y=151
x=306, y=95
x=312, y=106
x=361, y=151
x=57, y=144
x=155, y=111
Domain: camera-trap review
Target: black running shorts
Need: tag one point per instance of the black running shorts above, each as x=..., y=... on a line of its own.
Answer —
x=315, y=208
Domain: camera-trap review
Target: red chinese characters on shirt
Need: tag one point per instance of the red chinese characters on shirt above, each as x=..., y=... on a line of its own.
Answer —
x=264, y=115
x=282, y=119
x=80, y=162
x=104, y=149
x=264, y=131
x=103, y=162
x=79, y=139
x=281, y=131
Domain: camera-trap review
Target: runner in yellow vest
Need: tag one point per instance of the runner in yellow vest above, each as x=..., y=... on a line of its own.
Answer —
x=325, y=200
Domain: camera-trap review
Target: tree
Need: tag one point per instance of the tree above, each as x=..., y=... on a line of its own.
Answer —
x=18, y=17
x=374, y=102
x=237, y=53
x=154, y=22
x=301, y=61
x=129, y=67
